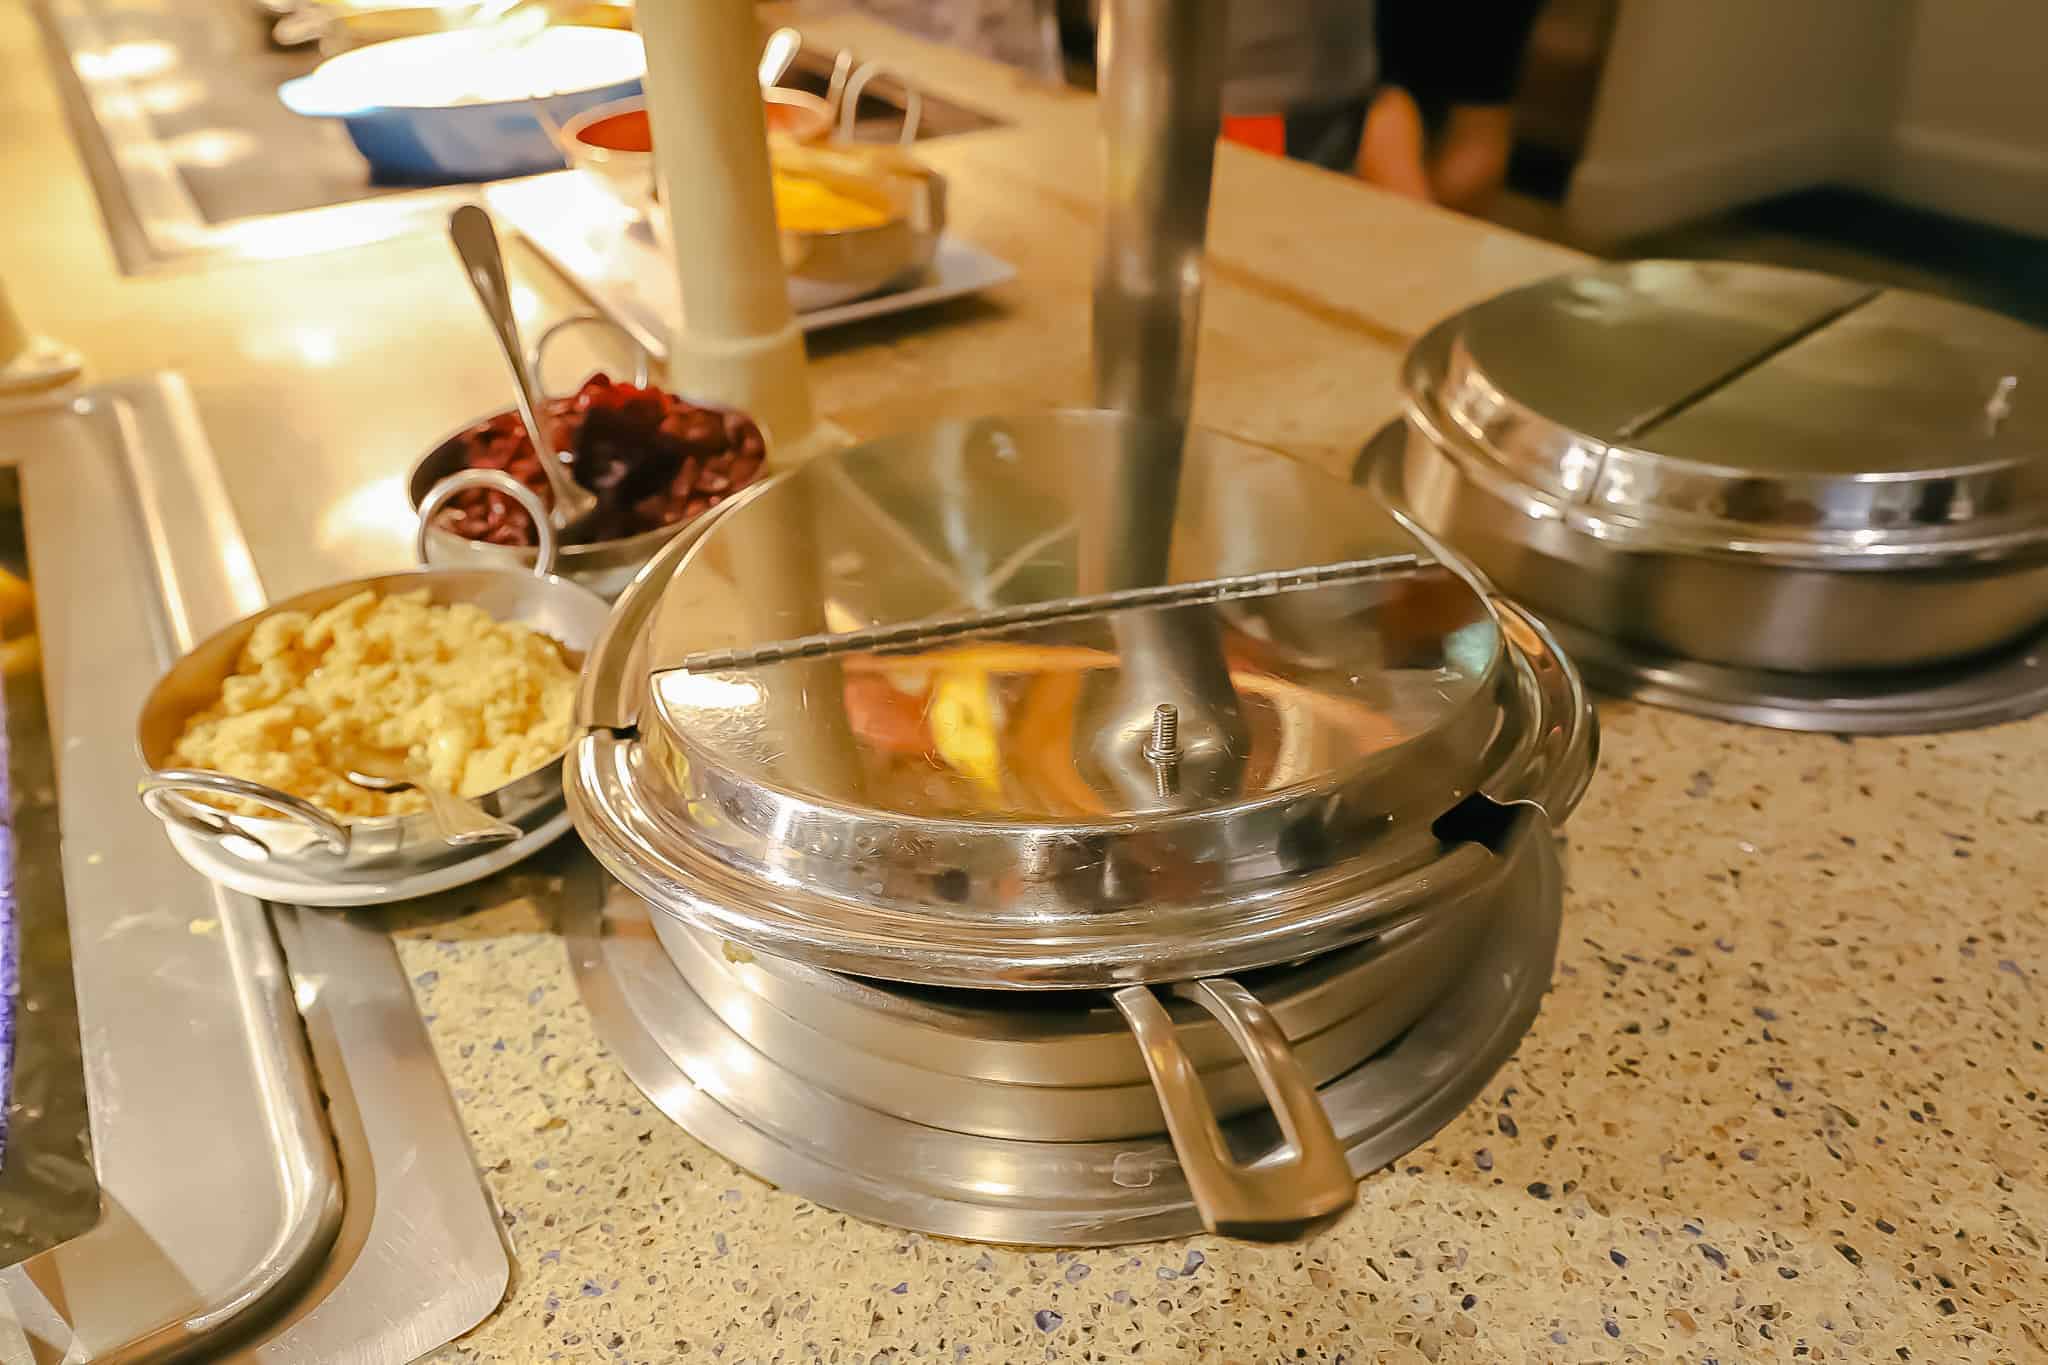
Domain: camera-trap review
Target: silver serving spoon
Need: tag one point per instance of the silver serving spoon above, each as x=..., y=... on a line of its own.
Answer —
x=461, y=822
x=476, y=241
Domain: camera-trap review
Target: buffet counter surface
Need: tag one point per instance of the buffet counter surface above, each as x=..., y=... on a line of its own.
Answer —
x=1788, y=1098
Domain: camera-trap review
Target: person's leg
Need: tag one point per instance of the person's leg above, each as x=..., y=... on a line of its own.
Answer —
x=1392, y=150
x=1327, y=137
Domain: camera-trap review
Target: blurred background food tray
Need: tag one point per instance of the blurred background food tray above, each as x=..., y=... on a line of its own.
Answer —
x=606, y=250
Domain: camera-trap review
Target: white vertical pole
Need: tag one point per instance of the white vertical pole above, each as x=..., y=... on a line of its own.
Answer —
x=739, y=342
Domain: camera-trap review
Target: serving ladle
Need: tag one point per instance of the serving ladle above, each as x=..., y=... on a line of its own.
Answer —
x=476, y=242
x=460, y=821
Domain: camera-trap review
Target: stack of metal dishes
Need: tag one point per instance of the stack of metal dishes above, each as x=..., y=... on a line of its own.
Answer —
x=1756, y=493
x=1066, y=829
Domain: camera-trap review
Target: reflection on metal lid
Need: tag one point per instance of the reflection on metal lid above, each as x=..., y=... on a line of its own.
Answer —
x=1099, y=791
x=1280, y=691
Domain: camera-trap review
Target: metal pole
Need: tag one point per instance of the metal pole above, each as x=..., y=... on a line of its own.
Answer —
x=1160, y=78
x=1160, y=72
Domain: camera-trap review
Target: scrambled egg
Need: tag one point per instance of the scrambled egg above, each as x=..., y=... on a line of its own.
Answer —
x=479, y=702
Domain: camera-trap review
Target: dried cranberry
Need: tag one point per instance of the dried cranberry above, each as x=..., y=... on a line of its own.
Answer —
x=652, y=458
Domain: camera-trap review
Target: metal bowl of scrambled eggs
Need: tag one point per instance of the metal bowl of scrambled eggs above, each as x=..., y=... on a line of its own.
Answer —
x=471, y=673
x=853, y=219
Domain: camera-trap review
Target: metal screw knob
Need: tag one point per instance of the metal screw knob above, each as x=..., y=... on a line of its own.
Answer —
x=1162, y=749
x=1164, y=746
x=1999, y=407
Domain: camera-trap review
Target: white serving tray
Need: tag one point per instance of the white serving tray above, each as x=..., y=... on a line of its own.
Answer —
x=605, y=249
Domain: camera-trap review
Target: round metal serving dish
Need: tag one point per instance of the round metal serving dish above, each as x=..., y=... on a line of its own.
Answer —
x=812, y=808
x=2005, y=684
x=1743, y=466
x=301, y=839
x=1018, y=707
x=605, y=567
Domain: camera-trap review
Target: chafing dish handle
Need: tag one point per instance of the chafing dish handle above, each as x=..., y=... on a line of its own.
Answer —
x=437, y=497
x=1273, y=1201
x=161, y=789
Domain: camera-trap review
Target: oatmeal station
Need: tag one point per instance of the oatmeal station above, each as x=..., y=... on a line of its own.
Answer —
x=719, y=683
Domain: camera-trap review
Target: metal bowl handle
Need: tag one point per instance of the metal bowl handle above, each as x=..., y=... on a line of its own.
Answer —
x=1273, y=1201
x=437, y=497
x=161, y=788
x=835, y=88
x=537, y=366
x=857, y=84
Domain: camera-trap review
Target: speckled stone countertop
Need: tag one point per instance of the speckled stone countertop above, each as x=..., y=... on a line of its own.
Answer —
x=1787, y=1101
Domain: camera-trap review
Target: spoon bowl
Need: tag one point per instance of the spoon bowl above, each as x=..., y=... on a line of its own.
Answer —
x=461, y=822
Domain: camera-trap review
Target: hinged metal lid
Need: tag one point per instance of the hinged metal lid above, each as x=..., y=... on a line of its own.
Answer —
x=1110, y=787
x=1755, y=408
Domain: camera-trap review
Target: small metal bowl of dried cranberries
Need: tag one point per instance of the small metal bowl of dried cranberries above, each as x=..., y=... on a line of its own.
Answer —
x=655, y=461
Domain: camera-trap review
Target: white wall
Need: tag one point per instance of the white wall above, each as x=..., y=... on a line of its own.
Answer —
x=1704, y=105
x=1707, y=105
x=1970, y=131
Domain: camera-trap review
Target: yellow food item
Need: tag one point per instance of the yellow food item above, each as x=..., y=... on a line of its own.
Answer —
x=806, y=205
x=477, y=701
x=966, y=726
x=20, y=652
x=20, y=655
x=17, y=599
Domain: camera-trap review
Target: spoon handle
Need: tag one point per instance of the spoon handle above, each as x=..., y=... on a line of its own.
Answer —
x=462, y=822
x=776, y=55
x=476, y=242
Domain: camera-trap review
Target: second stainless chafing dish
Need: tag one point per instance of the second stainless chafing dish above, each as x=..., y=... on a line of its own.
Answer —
x=1743, y=467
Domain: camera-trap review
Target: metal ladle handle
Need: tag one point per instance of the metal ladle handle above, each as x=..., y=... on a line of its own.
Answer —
x=835, y=88
x=537, y=363
x=476, y=242
x=462, y=480
x=1273, y=1201
x=161, y=791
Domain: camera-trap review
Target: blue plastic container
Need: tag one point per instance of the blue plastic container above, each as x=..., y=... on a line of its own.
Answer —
x=438, y=144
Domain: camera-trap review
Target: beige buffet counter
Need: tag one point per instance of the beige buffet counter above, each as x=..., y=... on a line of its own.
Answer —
x=1788, y=1098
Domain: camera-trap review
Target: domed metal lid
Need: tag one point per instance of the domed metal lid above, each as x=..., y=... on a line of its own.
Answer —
x=1754, y=408
x=900, y=712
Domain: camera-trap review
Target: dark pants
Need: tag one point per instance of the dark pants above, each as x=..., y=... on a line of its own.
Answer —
x=1327, y=137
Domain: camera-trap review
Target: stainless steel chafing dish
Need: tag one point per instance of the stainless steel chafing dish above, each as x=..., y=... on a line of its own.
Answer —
x=1741, y=467
x=1048, y=819
x=942, y=822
